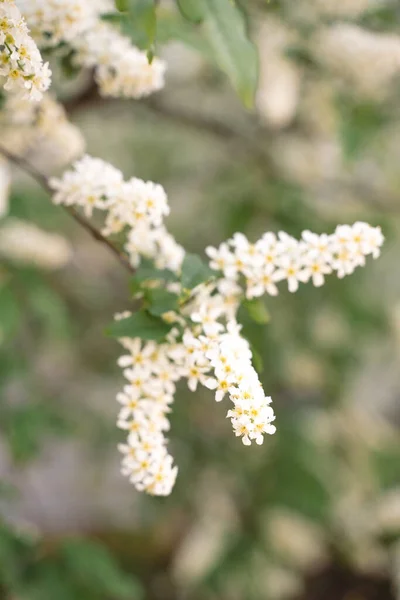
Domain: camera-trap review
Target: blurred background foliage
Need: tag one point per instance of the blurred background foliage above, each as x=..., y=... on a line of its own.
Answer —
x=315, y=512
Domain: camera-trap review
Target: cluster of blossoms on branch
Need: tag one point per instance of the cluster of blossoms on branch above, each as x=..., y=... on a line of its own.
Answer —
x=20, y=60
x=120, y=69
x=275, y=258
x=203, y=343
x=135, y=207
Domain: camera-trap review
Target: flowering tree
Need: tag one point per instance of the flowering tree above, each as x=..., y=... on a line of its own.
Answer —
x=186, y=321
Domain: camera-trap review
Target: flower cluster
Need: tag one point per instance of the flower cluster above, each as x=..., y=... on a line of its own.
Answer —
x=121, y=69
x=40, y=132
x=275, y=258
x=145, y=403
x=204, y=344
x=20, y=60
x=221, y=350
x=55, y=21
x=210, y=353
x=135, y=207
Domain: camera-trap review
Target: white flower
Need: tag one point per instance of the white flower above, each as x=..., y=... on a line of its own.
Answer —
x=292, y=272
x=21, y=63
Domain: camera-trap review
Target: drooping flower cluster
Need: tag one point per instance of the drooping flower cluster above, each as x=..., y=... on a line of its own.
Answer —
x=135, y=207
x=40, y=132
x=121, y=69
x=210, y=353
x=145, y=403
x=20, y=60
x=204, y=344
x=275, y=258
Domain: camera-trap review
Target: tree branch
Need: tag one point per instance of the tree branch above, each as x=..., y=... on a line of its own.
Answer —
x=43, y=182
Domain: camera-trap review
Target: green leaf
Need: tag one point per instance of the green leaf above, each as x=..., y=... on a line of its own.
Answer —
x=257, y=310
x=92, y=565
x=160, y=301
x=146, y=271
x=172, y=26
x=194, y=272
x=141, y=324
x=122, y=5
x=236, y=55
x=9, y=313
x=191, y=10
x=359, y=125
x=142, y=16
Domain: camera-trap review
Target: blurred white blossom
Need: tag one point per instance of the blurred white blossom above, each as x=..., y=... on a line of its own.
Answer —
x=40, y=132
x=366, y=59
x=279, y=78
x=26, y=244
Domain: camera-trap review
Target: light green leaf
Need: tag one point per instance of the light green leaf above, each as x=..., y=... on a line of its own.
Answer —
x=142, y=17
x=257, y=310
x=122, y=5
x=142, y=325
x=236, y=55
x=194, y=272
x=191, y=9
x=160, y=301
x=174, y=27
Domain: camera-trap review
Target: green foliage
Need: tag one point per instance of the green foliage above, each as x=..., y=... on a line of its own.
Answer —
x=360, y=123
x=146, y=272
x=141, y=324
x=194, y=272
x=160, y=301
x=226, y=41
x=9, y=313
x=191, y=10
x=73, y=568
x=224, y=26
x=257, y=310
x=95, y=570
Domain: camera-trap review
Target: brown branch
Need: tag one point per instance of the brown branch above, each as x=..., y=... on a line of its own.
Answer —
x=43, y=182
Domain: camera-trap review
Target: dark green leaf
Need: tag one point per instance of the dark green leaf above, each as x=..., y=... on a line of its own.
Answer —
x=112, y=17
x=146, y=271
x=160, y=301
x=194, y=272
x=141, y=324
x=95, y=568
